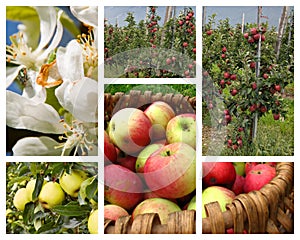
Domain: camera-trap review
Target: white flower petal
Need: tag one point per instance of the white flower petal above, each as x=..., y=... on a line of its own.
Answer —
x=56, y=39
x=69, y=62
x=85, y=14
x=80, y=99
x=11, y=74
x=47, y=17
x=23, y=113
x=32, y=90
x=37, y=146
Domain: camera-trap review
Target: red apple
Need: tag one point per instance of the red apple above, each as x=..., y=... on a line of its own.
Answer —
x=171, y=171
x=263, y=109
x=252, y=64
x=259, y=176
x=216, y=193
x=226, y=75
x=129, y=129
x=144, y=154
x=182, y=128
x=128, y=162
x=185, y=44
x=113, y=212
x=233, y=77
x=159, y=113
x=218, y=173
x=222, y=82
x=110, y=153
x=265, y=76
x=224, y=49
x=253, y=31
x=168, y=61
x=234, y=92
x=249, y=166
x=277, y=88
x=156, y=205
x=276, y=116
x=246, y=35
x=256, y=37
x=209, y=32
x=252, y=107
x=238, y=185
x=122, y=186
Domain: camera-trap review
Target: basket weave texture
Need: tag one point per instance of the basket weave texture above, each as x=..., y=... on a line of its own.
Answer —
x=269, y=210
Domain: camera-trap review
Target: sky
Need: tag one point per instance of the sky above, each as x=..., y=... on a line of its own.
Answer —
x=234, y=13
x=118, y=14
x=270, y=14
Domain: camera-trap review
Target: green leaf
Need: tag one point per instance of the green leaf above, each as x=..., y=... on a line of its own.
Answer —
x=49, y=228
x=17, y=180
x=68, y=23
x=52, y=99
x=72, y=210
x=28, y=213
x=38, y=186
x=21, y=13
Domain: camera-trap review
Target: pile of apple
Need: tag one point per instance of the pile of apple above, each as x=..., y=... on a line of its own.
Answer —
x=223, y=181
x=150, y=161
x=53, y=193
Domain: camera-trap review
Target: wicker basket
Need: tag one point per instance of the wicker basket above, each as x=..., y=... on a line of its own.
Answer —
x=269, y=210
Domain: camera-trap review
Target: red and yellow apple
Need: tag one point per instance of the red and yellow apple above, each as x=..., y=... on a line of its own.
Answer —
x=122, y=186
x=182, y=128
x=159, y=113
x=170, y=172
x=113, y=212
x=110, y=153
x=129, y=129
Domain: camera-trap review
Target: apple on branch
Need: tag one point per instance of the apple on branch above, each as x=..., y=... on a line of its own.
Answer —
x=51, y=195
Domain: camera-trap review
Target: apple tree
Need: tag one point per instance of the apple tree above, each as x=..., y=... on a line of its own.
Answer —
x=242, y=68
x=50, y=197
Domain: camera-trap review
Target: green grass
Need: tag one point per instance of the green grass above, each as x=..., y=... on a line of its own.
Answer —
x=184, y=89
x=274, y=138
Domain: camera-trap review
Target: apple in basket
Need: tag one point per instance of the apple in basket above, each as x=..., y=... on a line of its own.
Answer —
x=122, y=186
x=170, y=172
x=156, y=205
x=218, y=194
x=129, y=129
x=113, y=212
x=218, y=173
x=182, y=128
x=159, y=113
x=110, y=153
x=258, y=176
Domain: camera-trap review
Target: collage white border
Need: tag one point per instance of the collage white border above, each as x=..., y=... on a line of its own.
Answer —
x=101, y=3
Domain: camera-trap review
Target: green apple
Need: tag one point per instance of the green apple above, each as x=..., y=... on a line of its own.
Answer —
x=30, y=187
x=239, y=168
x=218, y=194
x=192, y=204
x=143, y=156
x=161, y=206
x=71, y=183
x=93, y=222
x=20, y=199
x=51, y=195
x=182, y=128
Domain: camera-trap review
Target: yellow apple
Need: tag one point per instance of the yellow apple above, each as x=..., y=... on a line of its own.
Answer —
x=30, y=187
x=93, y=222
x=51, y=195
x=71, y=183
x=20, y=199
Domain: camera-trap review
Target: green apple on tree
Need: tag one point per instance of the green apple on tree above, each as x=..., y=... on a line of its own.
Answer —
x=51, y=195
x=30, y=187
x=93, y=222
x=20, y=199
x=71, y=183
